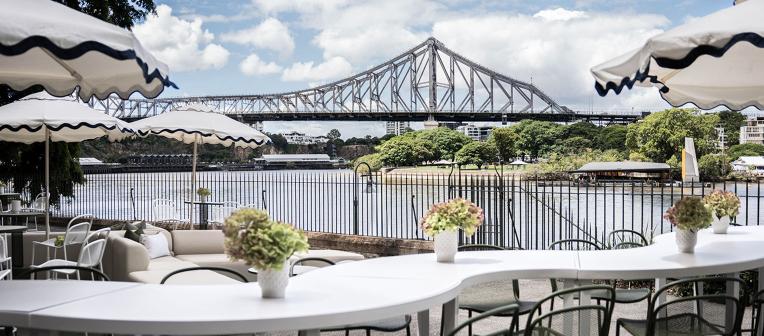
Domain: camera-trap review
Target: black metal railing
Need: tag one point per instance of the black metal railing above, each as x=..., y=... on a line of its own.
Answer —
x=520, y=211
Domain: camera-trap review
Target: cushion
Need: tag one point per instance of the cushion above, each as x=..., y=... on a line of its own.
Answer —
x=198, y=242
x=133, y=231
x=168, y=263
x=156, y=245
x=218, y=260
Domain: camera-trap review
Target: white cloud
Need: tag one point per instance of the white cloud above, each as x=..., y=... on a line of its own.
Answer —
x=332, y=68
x=556, y=48
x=253, y=65
x=183, y=45
x=270, y=34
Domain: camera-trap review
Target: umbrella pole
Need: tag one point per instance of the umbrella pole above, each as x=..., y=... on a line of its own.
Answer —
x=47, y=182
x=193, y=185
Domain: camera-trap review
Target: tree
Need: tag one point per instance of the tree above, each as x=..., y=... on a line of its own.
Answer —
x=582, y=129
x=477, y=153
x=660, y=136
x=505, y=140
x=713, y=167
x=334, y=134
x=406, y=151
x=447, y=141
x=731, y=121
x=17, y=160
x=573, y=145
x=749, y=149
x=536, y=137
x=611, y=137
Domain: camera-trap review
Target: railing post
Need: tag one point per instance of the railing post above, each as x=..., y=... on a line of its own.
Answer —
x=355, y=194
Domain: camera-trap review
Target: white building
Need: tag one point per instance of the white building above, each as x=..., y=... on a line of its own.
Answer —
x=753, y=131
x=751, y=164
x=397, y=127
x=477, y=133
x=298, y=138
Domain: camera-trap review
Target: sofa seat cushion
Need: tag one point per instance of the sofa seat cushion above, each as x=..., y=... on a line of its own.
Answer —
x=198, y=242
x=218, y=260
x=168, y=264
x=333, y=255
x=201, y=277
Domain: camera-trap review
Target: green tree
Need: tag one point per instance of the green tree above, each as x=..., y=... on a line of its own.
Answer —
x=572, y=145
x=334, y=134
x=374, y=161
x=660, y=136
x=477, y=153
x=611, y=137
x=17, y=160
x=447, y=141
x=749, y=149
x=731, y=121
x=582, y=129
x=713, y=167
x=406, y=151
x=505, y=140
x=536, y=137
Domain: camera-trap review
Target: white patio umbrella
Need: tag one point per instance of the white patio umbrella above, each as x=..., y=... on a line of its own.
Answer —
x=711, y=61
x=200, y=124
x=43, y=118
x=48, y=44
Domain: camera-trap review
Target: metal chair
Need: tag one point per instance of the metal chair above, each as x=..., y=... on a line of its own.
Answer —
x=163, y=210
x=91, y=255
x=697, y=314
x=757, y=315
x=39, y=204
x=94, y=273
x=222, y=212
x=573, y=320
x=488, y=296
x=76, y=233
x=625, y=239
x=298, y=268
x=6, y=265
x=570, y=245
x=235, y=274
x=508, y=310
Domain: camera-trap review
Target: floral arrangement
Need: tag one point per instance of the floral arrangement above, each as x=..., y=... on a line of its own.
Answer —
x=689, y=213
x=59, y=241
x=455, y=214
x=203, y=192
x=251, y=236
x=722, y=203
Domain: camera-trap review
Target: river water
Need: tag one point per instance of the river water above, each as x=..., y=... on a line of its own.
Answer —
x=519, y=212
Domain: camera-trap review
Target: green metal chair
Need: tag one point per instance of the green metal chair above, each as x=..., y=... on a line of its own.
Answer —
x=697, y=314
x=625, y=238
x=224, y=271
x=575, y=320
x=488, y=296
x=757, y=315
x=508, y=310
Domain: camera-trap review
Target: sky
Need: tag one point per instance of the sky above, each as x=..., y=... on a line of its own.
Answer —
x=269, y=46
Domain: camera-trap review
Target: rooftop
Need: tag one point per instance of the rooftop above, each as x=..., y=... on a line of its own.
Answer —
x=623, y=166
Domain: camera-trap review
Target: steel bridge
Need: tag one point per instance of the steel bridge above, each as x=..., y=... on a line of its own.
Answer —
x=427, y=82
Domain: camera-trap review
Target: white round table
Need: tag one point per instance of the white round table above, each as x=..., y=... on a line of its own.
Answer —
x=356, y=292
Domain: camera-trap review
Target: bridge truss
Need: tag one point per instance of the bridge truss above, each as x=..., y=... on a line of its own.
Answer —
x=427, y=82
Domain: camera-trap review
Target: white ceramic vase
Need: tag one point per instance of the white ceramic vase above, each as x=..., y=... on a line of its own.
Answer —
x=445, y=245
x=273, y=283
x=686, y=240
x=720, y=225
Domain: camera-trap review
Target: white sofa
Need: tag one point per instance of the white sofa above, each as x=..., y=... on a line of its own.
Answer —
x=127, y=260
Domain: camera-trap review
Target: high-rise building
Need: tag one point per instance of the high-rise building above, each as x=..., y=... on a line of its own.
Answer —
x=397, y=127
x=477, y=133
x=753, y=131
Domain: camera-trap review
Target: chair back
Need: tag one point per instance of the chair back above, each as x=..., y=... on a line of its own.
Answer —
x=585, y=319
x=77, y=233
x=504, y=311
x=3, y=249
x=479, y=247
x=695, y=313
x=40, y=201
x=229, y=271
x=94, y=273
x=92, y=253
x=164, y=210
x=574, y=245
x=626, y=239
x=224, y=211
x=301, y=261
x=80, y=219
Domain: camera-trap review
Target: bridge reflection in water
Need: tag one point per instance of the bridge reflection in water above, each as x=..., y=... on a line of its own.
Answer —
x=427, y=82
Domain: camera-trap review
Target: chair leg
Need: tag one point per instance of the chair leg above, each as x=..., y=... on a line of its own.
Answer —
x=408, y=330
x=368, y=332
x=469, y=326
x=347, y=332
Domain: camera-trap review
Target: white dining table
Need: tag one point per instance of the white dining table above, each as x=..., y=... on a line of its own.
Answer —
x=356, y=292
